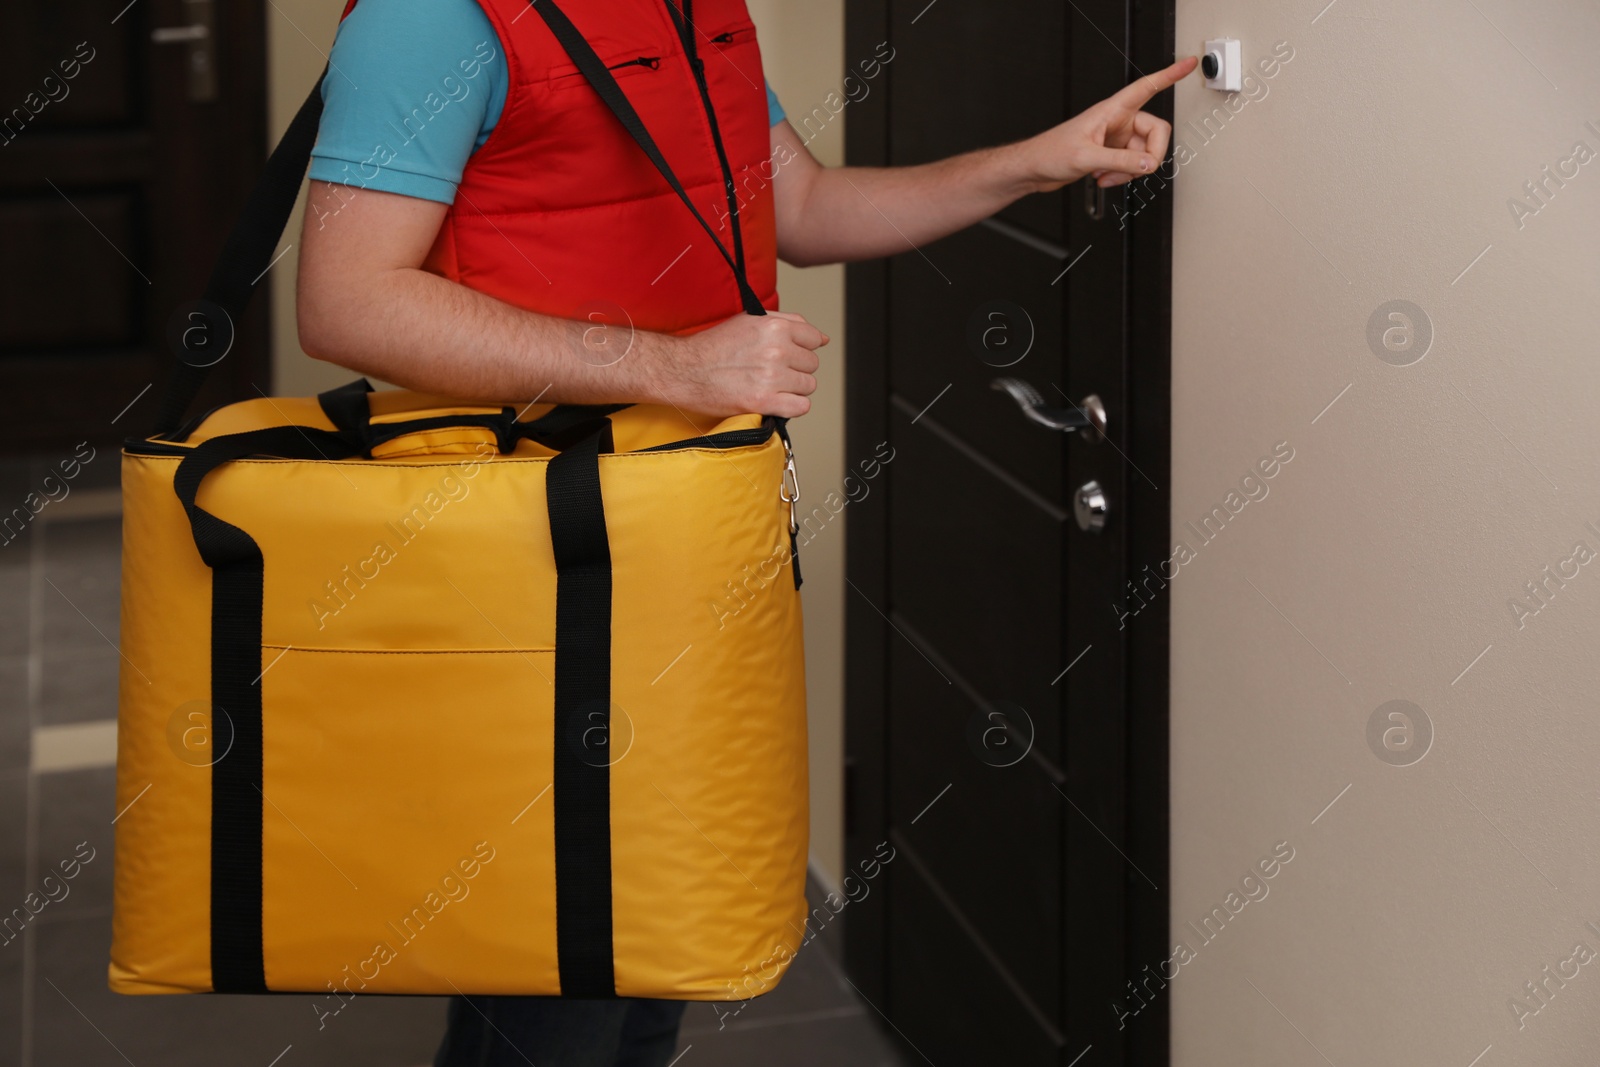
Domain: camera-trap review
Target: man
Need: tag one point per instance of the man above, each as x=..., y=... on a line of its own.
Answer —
x=475, y=211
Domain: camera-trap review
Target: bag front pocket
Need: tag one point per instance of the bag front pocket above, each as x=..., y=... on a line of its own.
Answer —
x=407, y=826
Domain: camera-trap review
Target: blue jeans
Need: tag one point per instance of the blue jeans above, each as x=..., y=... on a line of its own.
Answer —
x=553, y=1032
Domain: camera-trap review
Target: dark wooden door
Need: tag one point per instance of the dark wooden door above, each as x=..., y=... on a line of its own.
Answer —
x=1006, y=693
x=121, y=168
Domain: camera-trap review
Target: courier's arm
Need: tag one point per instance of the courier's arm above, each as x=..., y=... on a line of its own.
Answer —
x=364, y=302
x=837, y=214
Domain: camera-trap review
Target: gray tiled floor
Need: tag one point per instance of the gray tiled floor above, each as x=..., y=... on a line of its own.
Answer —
x=58, y=665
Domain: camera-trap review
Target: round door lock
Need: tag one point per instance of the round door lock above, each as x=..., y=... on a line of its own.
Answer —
x=1089, y=506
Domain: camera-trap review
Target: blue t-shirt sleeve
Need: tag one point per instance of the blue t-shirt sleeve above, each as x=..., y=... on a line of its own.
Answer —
x=414, y=87
x=774, y=109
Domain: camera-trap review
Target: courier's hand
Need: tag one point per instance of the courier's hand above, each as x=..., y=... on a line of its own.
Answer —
x=1113, y=140
x=750, y=363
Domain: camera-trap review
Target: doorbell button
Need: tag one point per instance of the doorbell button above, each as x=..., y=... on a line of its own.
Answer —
x=1222, y=65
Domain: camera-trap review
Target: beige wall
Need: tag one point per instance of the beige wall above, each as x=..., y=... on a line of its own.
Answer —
x=1381, y=562
x=298, y=35
x=803, y=48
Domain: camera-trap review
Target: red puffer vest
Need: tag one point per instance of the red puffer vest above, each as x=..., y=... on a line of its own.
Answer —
x=560, y=211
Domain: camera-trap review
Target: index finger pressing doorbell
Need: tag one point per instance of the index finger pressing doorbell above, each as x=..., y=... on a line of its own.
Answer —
x=1222, y=65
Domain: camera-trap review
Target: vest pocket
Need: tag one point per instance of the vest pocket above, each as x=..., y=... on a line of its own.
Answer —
x=570, y=76
x=737, y=35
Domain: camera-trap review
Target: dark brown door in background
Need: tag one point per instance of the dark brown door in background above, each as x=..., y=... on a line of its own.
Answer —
x=1006, y=702
x=130, y=133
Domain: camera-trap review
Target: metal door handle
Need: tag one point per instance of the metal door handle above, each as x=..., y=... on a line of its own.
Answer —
x=180, y=34
x=200, y=38
x=1088, y=418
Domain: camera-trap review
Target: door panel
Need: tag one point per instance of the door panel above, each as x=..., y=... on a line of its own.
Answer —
x=980, y=1021
x=978, y=842
x=979, y=74
x=117, y=190
x=977, y=571
x=1028, y=895
x=58, y=240
x=979, y=307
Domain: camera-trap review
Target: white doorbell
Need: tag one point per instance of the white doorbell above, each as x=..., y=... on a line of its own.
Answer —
x=1222, y=65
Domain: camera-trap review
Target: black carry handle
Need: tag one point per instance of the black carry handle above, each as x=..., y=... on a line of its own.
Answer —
x=604, y=83
x=569, y=428
x=350, y=411
x=219, y=542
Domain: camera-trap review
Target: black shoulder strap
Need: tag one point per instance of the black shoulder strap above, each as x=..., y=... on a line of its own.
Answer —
x=604, y=83
x=245, y=258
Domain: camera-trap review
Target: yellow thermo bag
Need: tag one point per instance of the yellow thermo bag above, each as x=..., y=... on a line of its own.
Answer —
x=458, y=716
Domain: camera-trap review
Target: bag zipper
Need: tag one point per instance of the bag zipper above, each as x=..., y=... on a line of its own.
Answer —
x=725, y=439
x=140, y=446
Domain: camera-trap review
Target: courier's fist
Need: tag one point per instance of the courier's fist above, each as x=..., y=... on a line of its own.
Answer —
x=750, y=363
